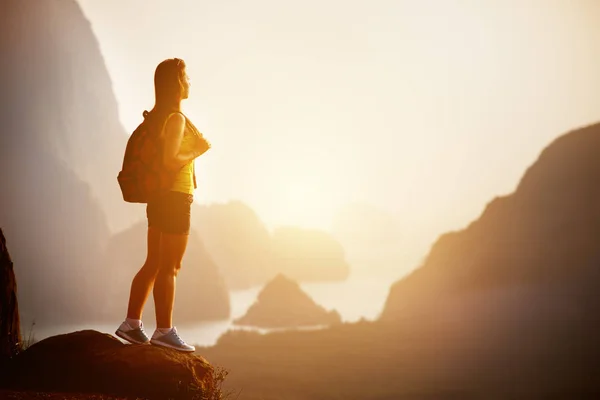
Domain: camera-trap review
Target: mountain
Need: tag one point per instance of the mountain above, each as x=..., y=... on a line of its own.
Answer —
x=249, y=255
x=57, y=232
x=283, y=304
x=543, y=236
x=61, y=146
x=57, y=98
x=237, y=240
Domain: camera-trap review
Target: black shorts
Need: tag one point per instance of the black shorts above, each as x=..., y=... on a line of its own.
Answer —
x=170, y=213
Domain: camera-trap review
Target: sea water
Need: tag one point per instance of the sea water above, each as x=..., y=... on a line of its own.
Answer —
x=356, y=298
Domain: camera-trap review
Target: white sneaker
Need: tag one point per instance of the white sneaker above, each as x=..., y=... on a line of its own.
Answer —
x=171, y=340
x=132, y=335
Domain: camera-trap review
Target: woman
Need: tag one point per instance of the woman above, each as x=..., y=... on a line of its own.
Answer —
x=169, y=213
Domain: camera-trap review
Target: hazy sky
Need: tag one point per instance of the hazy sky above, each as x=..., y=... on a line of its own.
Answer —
x=427, y=109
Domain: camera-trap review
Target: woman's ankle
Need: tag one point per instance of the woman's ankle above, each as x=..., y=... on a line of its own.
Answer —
x=134, y=322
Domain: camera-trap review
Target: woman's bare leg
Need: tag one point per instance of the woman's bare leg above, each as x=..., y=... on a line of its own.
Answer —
x=172, y=249
x=144, y=279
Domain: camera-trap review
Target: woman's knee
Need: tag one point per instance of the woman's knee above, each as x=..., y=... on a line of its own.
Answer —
x=151, y=268
x=170, y=268
x=177, y=268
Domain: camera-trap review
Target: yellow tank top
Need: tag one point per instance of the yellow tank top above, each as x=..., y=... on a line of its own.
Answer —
x=185, y=179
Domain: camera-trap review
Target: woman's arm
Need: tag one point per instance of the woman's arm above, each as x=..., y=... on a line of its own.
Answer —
x=173, y=135
x=202, y=145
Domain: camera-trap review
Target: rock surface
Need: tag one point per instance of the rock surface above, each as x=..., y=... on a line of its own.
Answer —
x=10, y=329
x=90, y=361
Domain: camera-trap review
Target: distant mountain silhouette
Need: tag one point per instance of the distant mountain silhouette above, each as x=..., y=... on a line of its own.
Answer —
x=508, y=307
x=57, y=232
x=248, y=255
x=57, y=98
x=201, y=291
x=237, y=240
x=309, y=255
x=372, y=239
x=283, y=304
x=544, y=235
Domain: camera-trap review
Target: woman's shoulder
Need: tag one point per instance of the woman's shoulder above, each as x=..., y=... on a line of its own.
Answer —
x=177, y=115
x=176, y=119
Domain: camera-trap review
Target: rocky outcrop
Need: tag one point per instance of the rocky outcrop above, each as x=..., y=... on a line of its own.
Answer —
x=201, y=291
x=283, y=304
x=93, y=362
x=10, y=328
x=308, y=255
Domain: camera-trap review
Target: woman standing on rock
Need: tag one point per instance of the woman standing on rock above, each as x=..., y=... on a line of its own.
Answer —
x=168, y=214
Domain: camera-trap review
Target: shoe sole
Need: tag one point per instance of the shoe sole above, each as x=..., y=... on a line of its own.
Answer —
x=166, y=345
x=130, y=340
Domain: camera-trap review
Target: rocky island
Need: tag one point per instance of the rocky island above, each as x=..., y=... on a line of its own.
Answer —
x=283, y=304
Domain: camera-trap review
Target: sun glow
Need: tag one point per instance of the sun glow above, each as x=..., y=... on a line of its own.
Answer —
x=304, y=203
x=426, y=109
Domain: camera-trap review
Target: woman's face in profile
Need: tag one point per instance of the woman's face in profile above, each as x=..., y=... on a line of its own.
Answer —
x=185, y=85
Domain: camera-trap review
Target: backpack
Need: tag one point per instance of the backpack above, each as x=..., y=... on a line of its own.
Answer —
x=143, y=175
